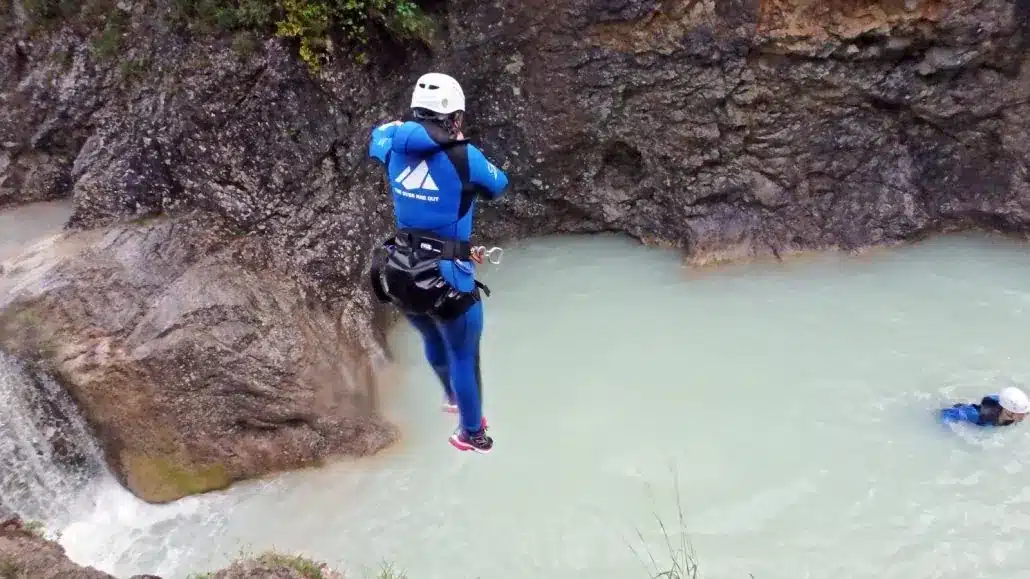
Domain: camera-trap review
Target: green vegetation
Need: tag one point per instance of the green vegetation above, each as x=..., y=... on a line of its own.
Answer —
x=314, y=24
x=95, y=14
x=106, y=45
x=42, y=11
x=34, y=527
x=682, y=562
x=102, y=19
x=305, y=567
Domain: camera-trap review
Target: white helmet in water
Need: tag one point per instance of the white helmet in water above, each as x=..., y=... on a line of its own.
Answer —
x=1014, y=400
x=439, y=93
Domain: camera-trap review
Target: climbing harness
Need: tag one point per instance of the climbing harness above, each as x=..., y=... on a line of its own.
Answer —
x=480, y=251
x=404, y=271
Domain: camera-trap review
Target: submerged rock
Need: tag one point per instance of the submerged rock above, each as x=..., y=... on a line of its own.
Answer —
x=195, y=360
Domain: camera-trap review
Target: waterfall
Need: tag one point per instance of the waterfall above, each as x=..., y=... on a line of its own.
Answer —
x=48, y=458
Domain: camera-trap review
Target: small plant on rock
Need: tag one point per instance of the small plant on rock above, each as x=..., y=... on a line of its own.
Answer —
x=306, y=567
x=312, y=23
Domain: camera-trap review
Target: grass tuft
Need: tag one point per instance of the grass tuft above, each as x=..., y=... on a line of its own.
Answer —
x=682, y=559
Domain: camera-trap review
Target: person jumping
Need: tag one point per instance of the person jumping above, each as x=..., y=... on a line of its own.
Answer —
x=425, y=267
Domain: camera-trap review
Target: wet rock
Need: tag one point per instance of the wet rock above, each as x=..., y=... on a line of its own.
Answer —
x=196, y=361
x=25, y=554
x=867, y=122
x=49, y=92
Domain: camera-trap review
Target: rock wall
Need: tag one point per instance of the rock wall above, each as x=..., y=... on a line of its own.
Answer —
x=742, y=128
x=725, y=128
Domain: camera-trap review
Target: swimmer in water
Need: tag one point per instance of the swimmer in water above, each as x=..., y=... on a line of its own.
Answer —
x=1008, y=407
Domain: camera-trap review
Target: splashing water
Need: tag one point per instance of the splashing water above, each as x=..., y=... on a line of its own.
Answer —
x=48, y=458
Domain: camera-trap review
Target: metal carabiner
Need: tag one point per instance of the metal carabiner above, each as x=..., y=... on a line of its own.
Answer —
x=481, y=251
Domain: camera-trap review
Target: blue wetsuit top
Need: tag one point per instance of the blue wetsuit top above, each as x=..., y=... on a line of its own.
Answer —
x=983, y=414
x=434, y=179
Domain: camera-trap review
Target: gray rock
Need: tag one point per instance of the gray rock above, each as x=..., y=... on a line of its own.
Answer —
x=195, y=361
x=876, y=124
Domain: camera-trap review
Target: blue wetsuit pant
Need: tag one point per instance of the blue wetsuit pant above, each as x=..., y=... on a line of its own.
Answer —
x=452, y=349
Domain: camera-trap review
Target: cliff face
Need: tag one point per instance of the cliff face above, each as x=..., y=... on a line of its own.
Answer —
x=740, y=128
x=727, y=128
x=735, y=127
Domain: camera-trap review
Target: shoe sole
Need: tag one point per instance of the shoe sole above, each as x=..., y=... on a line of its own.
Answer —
x=466, y=447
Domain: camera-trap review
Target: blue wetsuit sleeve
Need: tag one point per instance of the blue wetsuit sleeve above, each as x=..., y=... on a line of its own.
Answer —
x=960, y=413
x=485, y=174
x=380, y=141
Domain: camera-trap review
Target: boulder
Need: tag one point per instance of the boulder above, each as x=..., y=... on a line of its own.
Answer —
x=194, y=359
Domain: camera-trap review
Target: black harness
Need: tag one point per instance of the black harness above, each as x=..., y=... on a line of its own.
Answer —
x=405, y=271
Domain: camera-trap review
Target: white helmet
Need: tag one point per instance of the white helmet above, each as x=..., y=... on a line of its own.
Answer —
x=1014, y=400
x=439, y=93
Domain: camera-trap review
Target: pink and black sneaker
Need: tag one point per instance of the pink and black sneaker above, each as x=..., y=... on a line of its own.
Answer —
x=474, y=441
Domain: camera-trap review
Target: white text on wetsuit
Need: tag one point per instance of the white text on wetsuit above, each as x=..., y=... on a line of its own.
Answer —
x=419, y=196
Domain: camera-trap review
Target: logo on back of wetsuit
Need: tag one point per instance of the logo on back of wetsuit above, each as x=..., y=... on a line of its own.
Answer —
x=414, y=180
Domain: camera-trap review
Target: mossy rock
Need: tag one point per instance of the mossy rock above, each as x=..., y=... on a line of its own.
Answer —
x=160, y=479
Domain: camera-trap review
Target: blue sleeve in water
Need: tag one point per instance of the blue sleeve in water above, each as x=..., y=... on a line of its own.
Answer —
x=382, y=138
x=483, y=173
x=960, y=413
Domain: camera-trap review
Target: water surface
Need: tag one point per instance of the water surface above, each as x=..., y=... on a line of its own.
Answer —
x=794, y=403
x=24, y=225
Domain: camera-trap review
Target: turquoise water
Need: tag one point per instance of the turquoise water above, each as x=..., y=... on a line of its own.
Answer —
x=794, y=403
